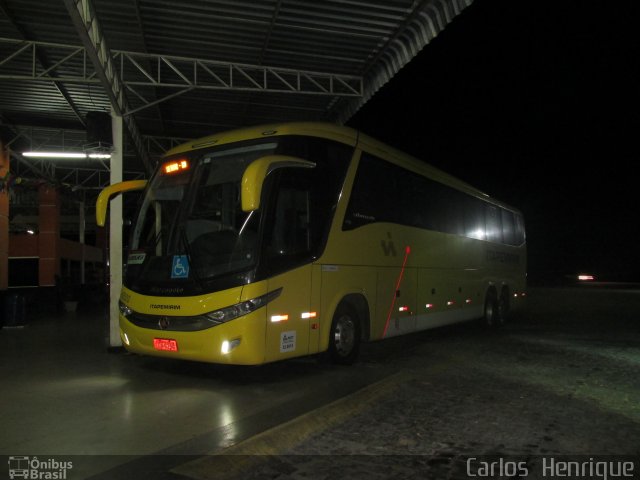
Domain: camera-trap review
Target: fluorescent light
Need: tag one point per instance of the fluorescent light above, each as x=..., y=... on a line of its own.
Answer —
x=65, y=155
x=54, y=155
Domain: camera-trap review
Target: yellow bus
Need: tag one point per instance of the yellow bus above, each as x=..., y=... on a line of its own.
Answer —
x=279, y=241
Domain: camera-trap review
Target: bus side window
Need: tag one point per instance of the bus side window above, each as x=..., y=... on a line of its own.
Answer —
x=519, y=236
x=301, y=205
x=382, y=192
x=474, y=219
x=493, y=223
x=365, y=205
x=508, y=227
x=289, y=226
x=291, y=223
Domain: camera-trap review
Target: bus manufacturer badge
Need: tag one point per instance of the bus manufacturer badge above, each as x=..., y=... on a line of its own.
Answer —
x=180, y=267
x=163, y=323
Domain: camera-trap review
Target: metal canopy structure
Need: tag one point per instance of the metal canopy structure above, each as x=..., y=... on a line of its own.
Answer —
x=181, y=70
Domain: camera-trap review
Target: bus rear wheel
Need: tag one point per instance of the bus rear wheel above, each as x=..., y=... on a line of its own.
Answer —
x=344, y=339
x=503, y=308
x=491, y=310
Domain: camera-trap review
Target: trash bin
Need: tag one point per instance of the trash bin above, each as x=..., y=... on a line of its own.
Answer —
x=15, y=310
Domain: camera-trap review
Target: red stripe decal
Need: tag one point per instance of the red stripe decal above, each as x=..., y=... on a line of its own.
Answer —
x=407, y=251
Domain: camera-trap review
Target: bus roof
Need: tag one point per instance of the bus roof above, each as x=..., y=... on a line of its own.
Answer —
x=341, y=134
x=316, y=129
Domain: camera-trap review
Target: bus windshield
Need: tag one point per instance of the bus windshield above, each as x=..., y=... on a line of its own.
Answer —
x=191, y=234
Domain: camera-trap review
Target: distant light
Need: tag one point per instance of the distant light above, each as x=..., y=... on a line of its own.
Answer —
x=467, y=301
x=77, y=155
x=404, y=308
x=31, y=232
x=429, y=305
x=450, y=302
x=586, y=278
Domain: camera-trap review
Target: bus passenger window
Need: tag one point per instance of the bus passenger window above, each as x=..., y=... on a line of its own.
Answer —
x=519, y=230
x=474, y=219
x=508, y=228
x=493, y=223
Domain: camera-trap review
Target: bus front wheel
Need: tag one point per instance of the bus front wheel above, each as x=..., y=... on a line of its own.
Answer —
x=344, y=339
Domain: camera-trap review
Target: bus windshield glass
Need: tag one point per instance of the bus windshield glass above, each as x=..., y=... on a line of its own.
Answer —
x=191, y=235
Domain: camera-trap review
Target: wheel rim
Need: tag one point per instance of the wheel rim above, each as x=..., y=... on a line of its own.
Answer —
x=344, y=335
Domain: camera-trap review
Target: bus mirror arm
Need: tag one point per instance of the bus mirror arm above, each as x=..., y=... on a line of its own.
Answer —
x=256, y=173
x=105, y=195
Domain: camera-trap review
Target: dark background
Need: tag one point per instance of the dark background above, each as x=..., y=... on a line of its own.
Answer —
x=534, y=103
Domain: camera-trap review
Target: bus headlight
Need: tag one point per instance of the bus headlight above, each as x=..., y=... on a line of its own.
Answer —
x=243, y=308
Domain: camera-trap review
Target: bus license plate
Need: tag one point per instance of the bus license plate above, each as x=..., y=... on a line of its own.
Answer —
x=166, y=344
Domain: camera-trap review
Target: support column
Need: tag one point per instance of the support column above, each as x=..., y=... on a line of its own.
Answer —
x=115, y=234
x=4, y=221
x=49, y=235
x=81, y=215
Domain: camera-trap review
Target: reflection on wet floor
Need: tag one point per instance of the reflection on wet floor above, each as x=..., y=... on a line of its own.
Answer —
x=561, y=379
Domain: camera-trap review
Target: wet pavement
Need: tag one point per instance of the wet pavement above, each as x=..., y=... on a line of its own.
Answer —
x=558, y=383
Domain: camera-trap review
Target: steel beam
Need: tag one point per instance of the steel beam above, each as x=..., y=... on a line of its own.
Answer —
x=42, y=59
x=86, y=23
x=128, y=70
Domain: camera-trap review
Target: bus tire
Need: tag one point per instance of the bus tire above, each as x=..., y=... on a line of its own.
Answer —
x=503, y=308
x=344, y=338
x=490, y=317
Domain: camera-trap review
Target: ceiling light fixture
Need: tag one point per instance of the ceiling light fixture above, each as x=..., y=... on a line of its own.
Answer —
x=78, y=155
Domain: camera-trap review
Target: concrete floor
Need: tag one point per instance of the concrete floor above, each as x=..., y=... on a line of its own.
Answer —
x=561, y=379
x=65, y=395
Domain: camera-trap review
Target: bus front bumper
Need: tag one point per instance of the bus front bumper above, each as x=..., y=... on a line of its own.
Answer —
x=239, y=341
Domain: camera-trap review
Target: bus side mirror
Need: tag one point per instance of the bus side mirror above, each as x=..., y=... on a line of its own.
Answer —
x=257, y=171
x=105, y=195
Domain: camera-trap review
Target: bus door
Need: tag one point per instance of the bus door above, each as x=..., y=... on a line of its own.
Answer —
x=287, y=251
x=288, y=316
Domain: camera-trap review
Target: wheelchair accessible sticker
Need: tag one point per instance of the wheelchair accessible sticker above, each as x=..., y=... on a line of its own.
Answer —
x=180, y=267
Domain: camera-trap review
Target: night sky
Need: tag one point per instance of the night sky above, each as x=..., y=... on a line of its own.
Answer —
x=535, y=104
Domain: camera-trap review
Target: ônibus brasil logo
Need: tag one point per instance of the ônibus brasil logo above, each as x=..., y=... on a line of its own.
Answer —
x=34, y=468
